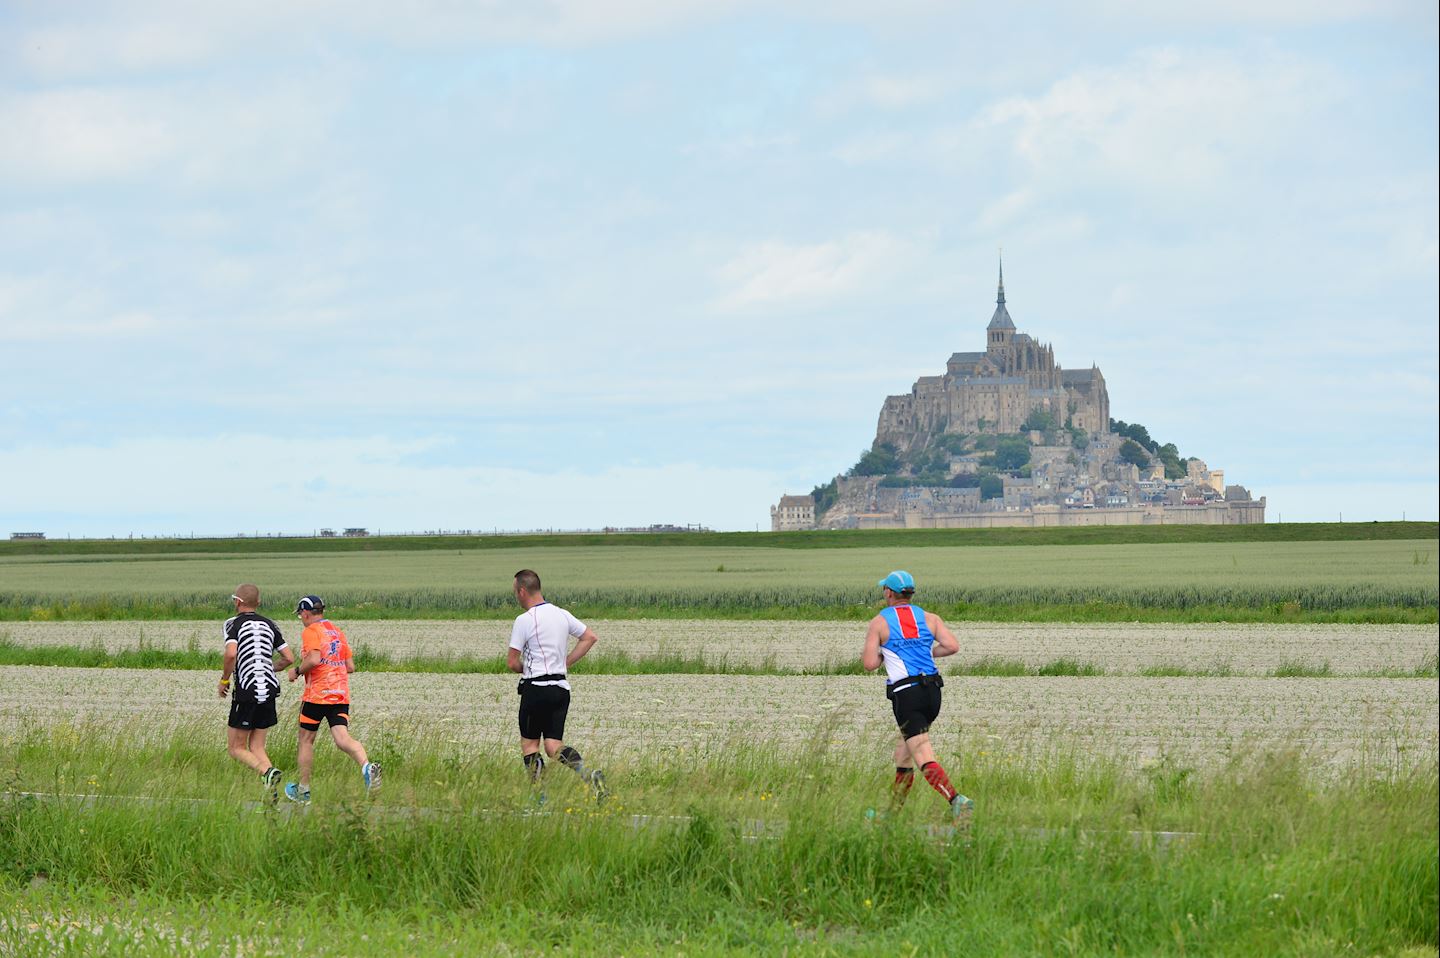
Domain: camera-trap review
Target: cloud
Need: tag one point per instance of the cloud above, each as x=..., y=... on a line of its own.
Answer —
x=146, y=36
x=1168, y=117
x=1005, y=210
x=774, y=273
x=213, y=134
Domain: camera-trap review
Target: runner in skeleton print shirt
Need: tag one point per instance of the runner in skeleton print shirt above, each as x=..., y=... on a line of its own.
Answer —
x=251, y=644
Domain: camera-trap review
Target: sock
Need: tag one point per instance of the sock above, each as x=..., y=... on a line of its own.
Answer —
x=938, y=780
x=535, y=765
x=571, y=759
x=900, y=790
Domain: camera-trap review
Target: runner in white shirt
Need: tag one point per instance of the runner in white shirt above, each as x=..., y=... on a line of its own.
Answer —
x=540, y=651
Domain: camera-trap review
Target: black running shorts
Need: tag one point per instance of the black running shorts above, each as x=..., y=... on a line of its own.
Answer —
x=542, y=711
x=312, y=713
x=251, y=715
x=916, y=708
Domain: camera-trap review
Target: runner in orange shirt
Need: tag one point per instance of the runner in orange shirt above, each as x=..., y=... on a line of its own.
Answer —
x=326, y=663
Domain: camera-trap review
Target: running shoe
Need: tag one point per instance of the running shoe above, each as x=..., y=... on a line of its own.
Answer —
x=961, y=808
x=271, y=777
x=370, y=771
x=296, y=794
x=597, y=783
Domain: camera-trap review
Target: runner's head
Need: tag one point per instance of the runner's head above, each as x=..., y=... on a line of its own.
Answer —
x=527, y=587
x=898, y=586
x=246, y=597
x=310, y=608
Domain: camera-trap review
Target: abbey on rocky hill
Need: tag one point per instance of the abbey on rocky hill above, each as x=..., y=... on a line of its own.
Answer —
x=996, y=391
x=1006, y=437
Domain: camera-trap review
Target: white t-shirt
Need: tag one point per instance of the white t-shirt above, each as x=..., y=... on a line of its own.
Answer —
x=542, y=637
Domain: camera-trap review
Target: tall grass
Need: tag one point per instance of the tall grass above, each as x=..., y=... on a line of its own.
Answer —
x=744, y=849
x=1367, y=603
x=146, y=656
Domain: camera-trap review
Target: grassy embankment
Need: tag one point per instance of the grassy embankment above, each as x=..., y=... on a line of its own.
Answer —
x=729, y=850
x=146, y=656
x=1312, y=580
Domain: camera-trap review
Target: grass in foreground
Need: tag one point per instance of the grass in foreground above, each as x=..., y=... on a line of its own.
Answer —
x=764, y=852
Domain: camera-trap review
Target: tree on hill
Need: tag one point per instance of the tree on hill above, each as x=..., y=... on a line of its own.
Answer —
x=1011, y=452
x=824, y=497
x=1134, y=453
x=991, y=487
x=1167, y=454
x=879, y=461
x=1170, y=456
x=1039, y=419
x=1136, y=432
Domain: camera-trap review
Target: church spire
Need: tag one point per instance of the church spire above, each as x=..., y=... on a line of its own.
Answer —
x=1001, y=327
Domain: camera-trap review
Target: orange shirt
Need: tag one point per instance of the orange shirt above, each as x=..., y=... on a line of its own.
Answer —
x=327, y=683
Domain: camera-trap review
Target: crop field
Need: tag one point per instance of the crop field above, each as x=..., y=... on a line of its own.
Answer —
x=786, y=646
x=1388, y=580
x=1202, y=720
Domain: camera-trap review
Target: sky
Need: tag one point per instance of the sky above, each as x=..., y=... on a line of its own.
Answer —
x=291, y=264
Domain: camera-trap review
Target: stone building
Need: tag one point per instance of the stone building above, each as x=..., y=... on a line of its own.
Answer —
x=793, y=512
x=995, y=391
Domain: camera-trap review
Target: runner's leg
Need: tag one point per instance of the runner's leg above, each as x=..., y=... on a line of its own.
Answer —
x=904, y=774
x=924, y=756
x=348, y=744
x=257, y=749
x=305, y=754
x=237, y=743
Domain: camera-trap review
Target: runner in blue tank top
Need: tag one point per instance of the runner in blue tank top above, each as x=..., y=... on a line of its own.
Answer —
x=906, y=640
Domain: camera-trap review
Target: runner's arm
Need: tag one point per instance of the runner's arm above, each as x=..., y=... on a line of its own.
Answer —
x=287, y=659
x=512, y=660
x=870, y=653
x=945, y=641
x=311, y=659
x=228, y=669
x=587, y=639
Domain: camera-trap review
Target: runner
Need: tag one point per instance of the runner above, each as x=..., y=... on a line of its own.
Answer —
x=538, y=646
x=326, y=663
x=251, y=644
x=901, y=638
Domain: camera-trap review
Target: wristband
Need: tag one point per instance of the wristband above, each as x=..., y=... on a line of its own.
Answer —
x=225, y=682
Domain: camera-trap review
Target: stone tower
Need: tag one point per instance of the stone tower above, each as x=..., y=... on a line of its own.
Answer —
x=1001, y=329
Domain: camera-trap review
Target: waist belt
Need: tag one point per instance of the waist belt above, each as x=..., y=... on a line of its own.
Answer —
x=534, y=679
x=913, y=680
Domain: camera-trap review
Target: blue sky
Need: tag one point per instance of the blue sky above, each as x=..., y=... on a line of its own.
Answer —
x=284, y=265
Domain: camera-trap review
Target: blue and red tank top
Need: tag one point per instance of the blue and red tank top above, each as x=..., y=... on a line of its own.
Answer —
x=907, y=652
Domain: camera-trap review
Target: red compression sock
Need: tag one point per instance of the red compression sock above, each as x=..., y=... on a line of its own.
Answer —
x=904, y=778
x=938, y=780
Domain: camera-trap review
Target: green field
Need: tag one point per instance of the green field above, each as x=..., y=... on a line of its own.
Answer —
x=842, y=539
x=1376, y=580
x=738, y=851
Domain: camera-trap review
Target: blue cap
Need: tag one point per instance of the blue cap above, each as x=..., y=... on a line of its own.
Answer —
x=310, y=603
x=899, y=581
